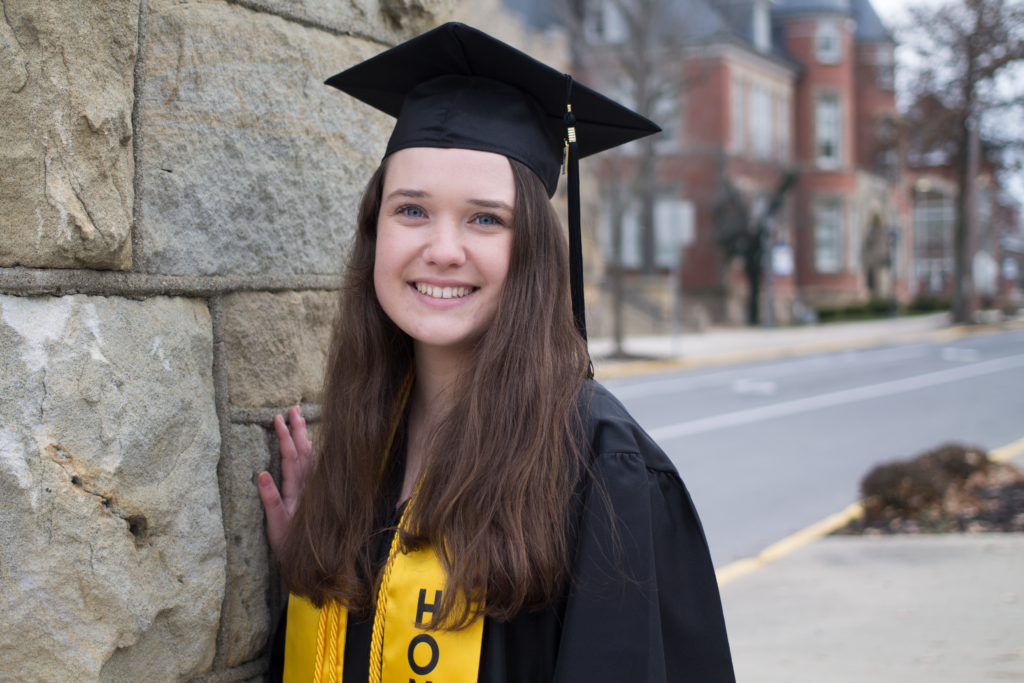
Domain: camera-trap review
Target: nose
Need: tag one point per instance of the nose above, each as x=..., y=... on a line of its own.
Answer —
x=445, y=247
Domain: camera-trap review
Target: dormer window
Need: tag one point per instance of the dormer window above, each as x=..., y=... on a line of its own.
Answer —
x=607, y=25
x=827, y=41
x=762, y=27
x=885, y=67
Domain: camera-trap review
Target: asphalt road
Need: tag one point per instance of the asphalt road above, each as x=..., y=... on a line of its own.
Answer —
x=769, y=448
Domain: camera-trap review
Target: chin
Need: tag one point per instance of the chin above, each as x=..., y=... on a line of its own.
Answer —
x=444, y=336
x=446, y=340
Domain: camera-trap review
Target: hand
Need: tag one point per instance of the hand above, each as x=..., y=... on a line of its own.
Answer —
x=296, y=457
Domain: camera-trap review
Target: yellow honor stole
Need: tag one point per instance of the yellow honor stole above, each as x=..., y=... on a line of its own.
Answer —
x=402, y=649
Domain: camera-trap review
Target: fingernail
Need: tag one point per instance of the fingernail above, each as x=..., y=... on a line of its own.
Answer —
x=263, y=480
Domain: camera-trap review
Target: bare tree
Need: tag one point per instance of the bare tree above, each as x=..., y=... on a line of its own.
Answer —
x=637, y=50
x=741, y=233
x=969, y=52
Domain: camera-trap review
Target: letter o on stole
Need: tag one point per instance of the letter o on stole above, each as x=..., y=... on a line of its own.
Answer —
x=434, y=654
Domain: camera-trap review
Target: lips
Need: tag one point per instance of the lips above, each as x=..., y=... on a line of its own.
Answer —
x=439, y=292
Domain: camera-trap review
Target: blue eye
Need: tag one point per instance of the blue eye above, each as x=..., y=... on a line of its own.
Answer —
x=413, y=211
x=486, y=220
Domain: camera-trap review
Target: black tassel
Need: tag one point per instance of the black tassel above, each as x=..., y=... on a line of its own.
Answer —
x=575, y=235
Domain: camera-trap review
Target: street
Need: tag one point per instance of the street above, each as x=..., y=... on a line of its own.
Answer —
x=768, y=448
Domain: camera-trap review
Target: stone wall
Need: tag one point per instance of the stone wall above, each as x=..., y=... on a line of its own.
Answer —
x=177, y=190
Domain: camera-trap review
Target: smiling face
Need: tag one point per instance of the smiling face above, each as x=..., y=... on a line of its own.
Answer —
x=444, y=242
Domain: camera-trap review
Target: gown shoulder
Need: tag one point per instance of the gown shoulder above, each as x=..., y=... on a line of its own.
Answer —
x=643, y=603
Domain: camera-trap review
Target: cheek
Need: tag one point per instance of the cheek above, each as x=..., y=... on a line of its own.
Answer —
x=498, y=258
x=387, y=265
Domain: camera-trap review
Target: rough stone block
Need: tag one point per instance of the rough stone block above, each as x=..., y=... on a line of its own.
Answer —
x=278, y=345
x=245, y=617
x=250, y=164
x=111, y=544
x=389, y=21
x=66, y=164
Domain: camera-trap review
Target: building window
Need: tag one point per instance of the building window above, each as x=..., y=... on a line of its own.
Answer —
x=761, y=122
x=885, y=67
x=762, y=28
x=934, y=218
x=828, y=235
x=739, y=124
x=673, y=230
x=827, y=41
x=827, y=131
x=783, y=123
x=607, y=25
x=665, y=112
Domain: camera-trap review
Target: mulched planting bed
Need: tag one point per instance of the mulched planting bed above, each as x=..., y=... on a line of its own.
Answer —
x=953, y=488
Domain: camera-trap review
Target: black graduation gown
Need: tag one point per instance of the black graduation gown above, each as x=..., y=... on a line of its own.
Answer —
x=643, y=610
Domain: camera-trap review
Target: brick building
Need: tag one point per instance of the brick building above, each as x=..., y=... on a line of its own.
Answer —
x=774, y=86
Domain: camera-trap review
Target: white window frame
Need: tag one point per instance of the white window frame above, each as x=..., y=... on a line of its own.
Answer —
x=674, y=221
x=739, y=115
x=760, y=115
x=828, y=41
x=885, y=66
x=782, y=124
x=829, y=220
x=611, y=25
x=828, y=131
x=666, y=113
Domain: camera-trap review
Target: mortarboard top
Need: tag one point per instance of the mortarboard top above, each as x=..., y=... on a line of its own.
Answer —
x=457, y=87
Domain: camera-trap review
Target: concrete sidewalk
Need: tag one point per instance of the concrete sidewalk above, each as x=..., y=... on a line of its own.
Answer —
x=891, y=609
x=883, y=609
x=723, y=346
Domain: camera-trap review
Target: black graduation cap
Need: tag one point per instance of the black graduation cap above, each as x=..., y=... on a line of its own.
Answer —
x=458, y=87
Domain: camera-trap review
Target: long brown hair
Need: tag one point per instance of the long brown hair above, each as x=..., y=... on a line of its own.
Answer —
x=502, y=464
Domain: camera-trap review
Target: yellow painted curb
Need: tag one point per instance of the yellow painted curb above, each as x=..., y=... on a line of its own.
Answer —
x=612, y=370
x=1008, y=452
x=739, y=568
x=834, y=522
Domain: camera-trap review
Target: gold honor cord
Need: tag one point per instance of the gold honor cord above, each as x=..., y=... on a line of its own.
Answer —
x=405, y=651
x=377, y=644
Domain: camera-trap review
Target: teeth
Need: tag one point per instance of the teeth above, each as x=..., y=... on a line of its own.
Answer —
x=443, y=292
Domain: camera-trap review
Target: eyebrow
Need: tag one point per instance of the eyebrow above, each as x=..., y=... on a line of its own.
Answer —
x=414, y=194
x=421, y=194
x=490, y=204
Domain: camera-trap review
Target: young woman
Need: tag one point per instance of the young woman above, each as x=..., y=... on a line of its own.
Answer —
x=478, y=509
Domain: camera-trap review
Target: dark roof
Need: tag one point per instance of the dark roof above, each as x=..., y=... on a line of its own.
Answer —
x=702, y=21
x=870, y=28
x=807, y=6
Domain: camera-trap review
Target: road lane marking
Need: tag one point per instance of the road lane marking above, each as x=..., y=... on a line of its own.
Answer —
x=830, y=524
x=837, y=398
x=958, y=355
x=845, y=359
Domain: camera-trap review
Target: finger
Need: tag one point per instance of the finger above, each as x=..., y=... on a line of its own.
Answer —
x=277, y=515
x=291, y=472
x=300, y=437
x=284, y=437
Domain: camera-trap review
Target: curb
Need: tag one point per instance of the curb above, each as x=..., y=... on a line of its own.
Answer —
x=650, y=367
x=833, y=522
x=779, y=549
